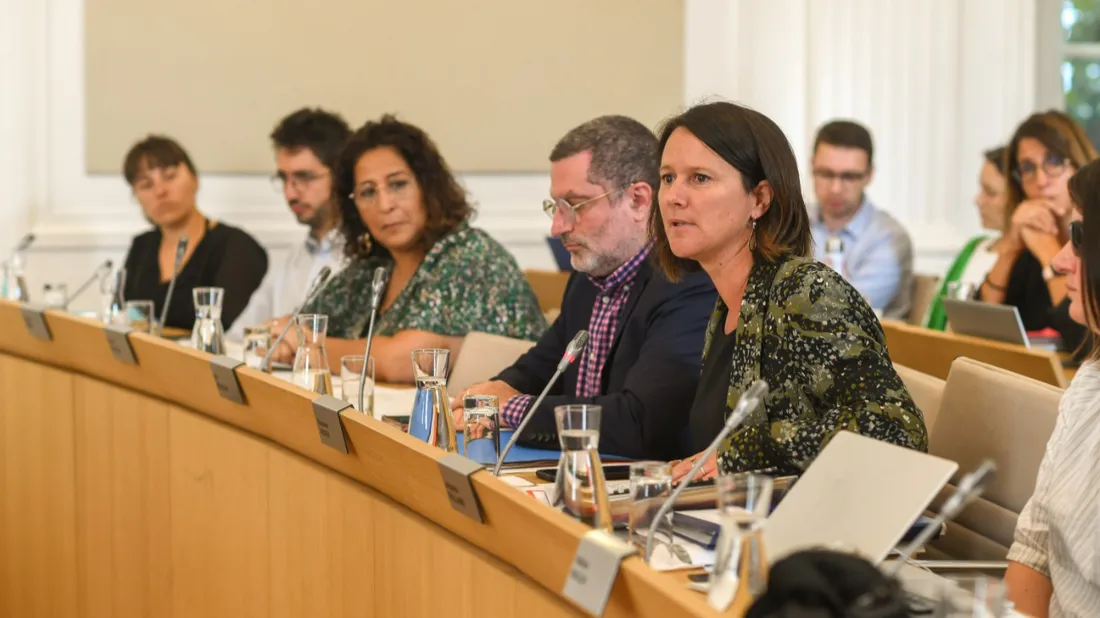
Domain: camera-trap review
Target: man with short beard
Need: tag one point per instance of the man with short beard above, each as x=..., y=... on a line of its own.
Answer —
x=642, y=361
x=307, y=145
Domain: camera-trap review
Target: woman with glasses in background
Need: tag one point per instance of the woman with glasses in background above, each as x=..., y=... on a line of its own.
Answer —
x=402, y=208
x=1053, y=568
x=1044, y=153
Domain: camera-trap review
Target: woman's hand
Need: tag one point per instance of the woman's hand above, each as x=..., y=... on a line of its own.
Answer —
x=681, y=468
x=288, y=347
x=1036, y=215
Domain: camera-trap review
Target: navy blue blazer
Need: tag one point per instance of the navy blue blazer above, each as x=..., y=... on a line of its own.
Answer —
x=648, y=382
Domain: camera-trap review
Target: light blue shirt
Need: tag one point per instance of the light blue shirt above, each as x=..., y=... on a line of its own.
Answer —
x=878, y=258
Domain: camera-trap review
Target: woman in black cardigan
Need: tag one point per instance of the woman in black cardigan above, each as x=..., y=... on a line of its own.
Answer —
x=164, y=181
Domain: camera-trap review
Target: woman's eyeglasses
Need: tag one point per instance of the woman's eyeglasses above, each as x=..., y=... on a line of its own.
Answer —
x=1053, y=166
x=1076, y=236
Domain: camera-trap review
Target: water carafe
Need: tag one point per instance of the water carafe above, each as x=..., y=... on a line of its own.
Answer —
x=311, y=370
x=14, y=284
x=207, y=333
x=431, y=420
x=580, y=483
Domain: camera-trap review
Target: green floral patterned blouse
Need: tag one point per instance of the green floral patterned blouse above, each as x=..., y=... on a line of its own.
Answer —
x=467, y=282
x=811, y=336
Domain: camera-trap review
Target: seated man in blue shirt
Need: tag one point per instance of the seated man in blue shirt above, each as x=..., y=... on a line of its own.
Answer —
x=877, y=256
x=642, y=361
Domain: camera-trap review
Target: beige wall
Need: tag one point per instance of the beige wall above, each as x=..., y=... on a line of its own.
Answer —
x=495, y=82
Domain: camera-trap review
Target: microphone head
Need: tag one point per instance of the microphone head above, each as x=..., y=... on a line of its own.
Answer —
x=576, y=345
x=24, y=243
x=320, y=280
x=979, y=479
x=377, y=285
x=748, y=402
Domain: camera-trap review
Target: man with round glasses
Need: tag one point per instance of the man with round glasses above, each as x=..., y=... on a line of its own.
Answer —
x=642, y=360
x=307, y=145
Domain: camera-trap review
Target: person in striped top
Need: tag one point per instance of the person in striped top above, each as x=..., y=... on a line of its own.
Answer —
x=1054, y=561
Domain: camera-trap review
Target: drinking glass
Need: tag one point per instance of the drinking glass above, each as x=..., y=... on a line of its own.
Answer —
x=351, y=367
x=55, y=295
x=257, y=342
x=138, y=315
x=960, y=290
x=650, y=486
x=112, y=308
x=582, y=486
x=971, y=596
x=481, y=436
x=743, y=504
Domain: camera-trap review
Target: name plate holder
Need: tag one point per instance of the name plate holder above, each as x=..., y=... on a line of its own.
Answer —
x=456, y=471
x=34, y=316
x=118, y=338
x=224, y=370
x=595, y=567
x=327, y=409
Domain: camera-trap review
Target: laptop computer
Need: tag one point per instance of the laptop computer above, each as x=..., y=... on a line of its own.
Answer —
x=986, y=320
x=860, y=495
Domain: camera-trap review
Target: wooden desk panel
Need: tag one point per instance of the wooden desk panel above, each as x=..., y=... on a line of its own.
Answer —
x=139, y=491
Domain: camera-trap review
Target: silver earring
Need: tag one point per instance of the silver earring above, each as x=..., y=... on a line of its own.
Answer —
x=365, y=242
x=752, y=235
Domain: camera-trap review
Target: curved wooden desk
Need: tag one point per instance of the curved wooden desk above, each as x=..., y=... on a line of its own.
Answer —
x=137, y=490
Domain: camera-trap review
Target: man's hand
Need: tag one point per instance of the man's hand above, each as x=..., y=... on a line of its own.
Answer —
x=501, y=389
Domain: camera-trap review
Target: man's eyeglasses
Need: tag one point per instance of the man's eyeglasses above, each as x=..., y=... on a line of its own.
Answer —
x=570, y=210
x=295, y=180
x=847, y=178
x=1076, y=236
x=1053, y=166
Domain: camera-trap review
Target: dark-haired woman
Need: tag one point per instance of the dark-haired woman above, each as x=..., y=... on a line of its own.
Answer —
x=403, y=209
x=730, y=204
x=980, y=253
x=1053, y=568
x=165, y=183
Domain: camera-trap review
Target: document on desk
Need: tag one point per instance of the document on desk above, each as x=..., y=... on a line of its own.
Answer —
x=389, y=401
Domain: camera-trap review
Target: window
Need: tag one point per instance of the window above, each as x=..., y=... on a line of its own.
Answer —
x=1080, y=21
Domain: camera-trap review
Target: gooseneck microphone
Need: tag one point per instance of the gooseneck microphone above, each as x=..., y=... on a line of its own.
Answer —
x=571, y=352
x=24, y=243
x=970, y=487
x=100, y=270
x=181, y=250
x=377, y=286
x=750, y=399
x=314, y=290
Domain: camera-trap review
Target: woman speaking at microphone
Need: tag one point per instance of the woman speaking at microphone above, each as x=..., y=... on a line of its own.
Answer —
x=165, y=183
x=730, y=204
x=403, y=209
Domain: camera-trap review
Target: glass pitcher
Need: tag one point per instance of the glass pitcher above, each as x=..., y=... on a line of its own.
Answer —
x=112, y=308
x=431, y=420
x=740, y=565
x=14, y=282
x=311, y=370
x=580, y=482
x=207, y=333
